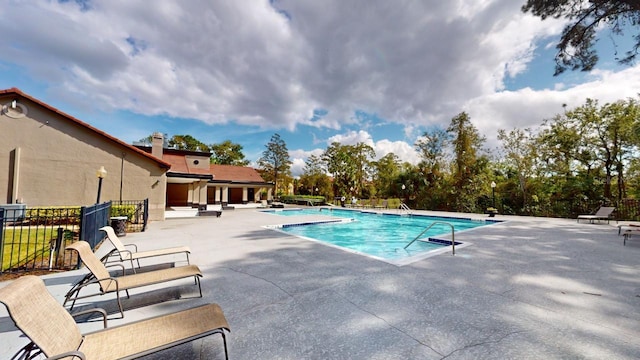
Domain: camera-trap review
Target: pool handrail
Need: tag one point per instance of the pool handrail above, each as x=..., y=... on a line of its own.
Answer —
x=453, y=239
x=405, y=207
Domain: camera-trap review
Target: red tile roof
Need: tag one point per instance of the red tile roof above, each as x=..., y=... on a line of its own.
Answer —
x=235, y=173
x=179, y=165
x=18, y=92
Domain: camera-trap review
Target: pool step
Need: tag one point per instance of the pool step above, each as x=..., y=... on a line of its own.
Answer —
x=443, y=241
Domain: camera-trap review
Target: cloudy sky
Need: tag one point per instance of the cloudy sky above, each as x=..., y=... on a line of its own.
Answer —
x=374, y=71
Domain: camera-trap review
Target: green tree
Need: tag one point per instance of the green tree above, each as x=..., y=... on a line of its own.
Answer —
x=385, y=171
x=314, y=177
x=228, y=153
x=147, y=140
x=569, y=167
x=610, y=130
x=362, y=155
x=341, y=167
x=275, y=162
x=349, y=165
x=432, y=147
x=585, y=18
x=520, y=158
x=409, y=185
x=468, y=164
x=188, y=142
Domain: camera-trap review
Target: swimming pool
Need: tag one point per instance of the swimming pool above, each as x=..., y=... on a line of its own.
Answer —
x=379, y=235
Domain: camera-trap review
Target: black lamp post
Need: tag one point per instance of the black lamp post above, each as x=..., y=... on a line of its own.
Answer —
x=101, y=174
x=493, y=193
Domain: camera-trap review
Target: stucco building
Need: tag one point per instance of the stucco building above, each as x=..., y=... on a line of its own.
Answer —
x=49, y=158
x=193, y=181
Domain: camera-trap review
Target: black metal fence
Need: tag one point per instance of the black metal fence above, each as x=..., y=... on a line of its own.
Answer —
x=136, y=211
x=92, y=218
x=36, y=239
x=1, y=236
x=628, y=209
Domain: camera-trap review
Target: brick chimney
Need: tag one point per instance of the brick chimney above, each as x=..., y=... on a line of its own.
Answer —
x=157, y=142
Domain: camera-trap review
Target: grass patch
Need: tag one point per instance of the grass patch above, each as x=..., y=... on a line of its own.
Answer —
x=24, y=246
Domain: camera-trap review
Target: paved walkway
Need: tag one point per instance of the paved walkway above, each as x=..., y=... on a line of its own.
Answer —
x=529, y=288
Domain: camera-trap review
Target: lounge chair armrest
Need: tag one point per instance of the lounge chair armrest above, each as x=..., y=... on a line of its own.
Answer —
x=125, y=252
x=110, y=254
x=135, y=247
x=96, y=310
x=77, y=287
x=118, y=265
x=74, y=354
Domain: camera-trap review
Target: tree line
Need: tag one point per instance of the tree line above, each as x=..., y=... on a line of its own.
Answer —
x=224, y=153
x=578, y=160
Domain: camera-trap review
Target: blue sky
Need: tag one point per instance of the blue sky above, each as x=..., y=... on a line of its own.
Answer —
x=368, y=71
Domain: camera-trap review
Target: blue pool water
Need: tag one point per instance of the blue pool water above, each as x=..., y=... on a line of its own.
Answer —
x=383, y=236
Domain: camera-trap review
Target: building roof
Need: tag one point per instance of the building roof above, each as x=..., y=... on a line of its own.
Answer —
x=221, y=173
x=179, y=165
x=104, y=135
x=232, y=173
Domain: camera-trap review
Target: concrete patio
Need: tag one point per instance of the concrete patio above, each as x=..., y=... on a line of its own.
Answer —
x=529, y=288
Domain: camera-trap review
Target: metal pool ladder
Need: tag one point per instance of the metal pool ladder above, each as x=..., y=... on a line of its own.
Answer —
x=404, y=207
x=453, y=239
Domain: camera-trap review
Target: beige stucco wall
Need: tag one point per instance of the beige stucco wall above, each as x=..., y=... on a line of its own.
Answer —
x=58, y=160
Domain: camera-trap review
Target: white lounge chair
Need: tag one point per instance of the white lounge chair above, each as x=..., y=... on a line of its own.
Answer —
x=604, y=213
x=98, y=274
x=54, y=333
x=127, y=255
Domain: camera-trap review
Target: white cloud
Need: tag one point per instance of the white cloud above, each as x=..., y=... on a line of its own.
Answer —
x=299, y=157
x=528, y=108
x=406, y=152
x=402, y=149
x=352, y=138
x=270, y=64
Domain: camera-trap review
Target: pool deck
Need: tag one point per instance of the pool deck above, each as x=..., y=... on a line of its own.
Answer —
x=528, y=288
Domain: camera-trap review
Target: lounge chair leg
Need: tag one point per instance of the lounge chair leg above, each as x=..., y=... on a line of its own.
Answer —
x=120, y=304
x=224, y=342
x=67, y=297
x=133, y=268
x=29, y=351
x=199, y=285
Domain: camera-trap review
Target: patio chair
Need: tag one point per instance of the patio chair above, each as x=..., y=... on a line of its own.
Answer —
x=383, y=205
x=124, y=254
x=628, y=233
x=54, y=333
x=98, y=274
x=627, y=226
x=604, y=213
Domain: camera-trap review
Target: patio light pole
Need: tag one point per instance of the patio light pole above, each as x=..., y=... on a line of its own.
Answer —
x=493, y=193
x=101, y=174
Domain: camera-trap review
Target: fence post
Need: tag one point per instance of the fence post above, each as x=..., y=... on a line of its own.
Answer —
x=1, y=238
x=55, y=249
x=92, y=218
x=145, y=216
